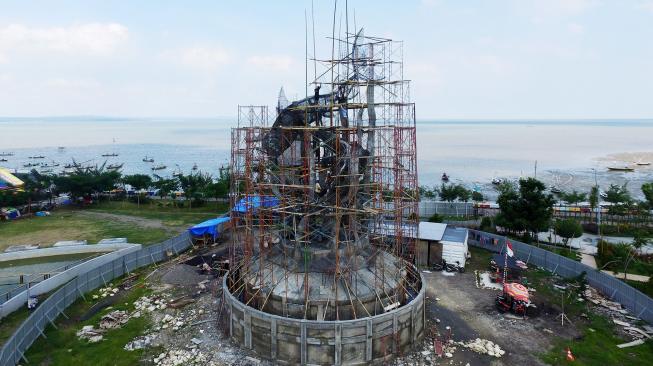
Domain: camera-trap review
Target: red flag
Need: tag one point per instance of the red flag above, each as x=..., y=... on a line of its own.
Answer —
x=509, y=249
x=570, y=357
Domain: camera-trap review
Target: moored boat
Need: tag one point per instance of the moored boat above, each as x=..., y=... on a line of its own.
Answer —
x=159, y=167
x=621, y=169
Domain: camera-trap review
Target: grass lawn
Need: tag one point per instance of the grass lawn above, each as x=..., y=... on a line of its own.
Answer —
x=164, y=210
x=69, y=224
x=62, y=347
x=598, y=346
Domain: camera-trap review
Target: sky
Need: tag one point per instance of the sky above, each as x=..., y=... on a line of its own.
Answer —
x=474, y=59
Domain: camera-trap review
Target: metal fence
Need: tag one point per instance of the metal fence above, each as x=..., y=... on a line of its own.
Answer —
x=632, y=299
x=428, y=208
x=15, y=347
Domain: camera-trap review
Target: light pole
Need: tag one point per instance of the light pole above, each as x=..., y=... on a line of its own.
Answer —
x=598, y=205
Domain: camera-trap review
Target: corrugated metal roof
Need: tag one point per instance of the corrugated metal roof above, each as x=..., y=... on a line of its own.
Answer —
x=431, y=230
x=454, y=234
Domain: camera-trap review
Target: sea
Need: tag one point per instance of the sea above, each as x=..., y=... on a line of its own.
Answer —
x=568, y=154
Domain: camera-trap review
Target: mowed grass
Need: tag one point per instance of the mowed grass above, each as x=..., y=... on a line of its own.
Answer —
x=71, y=224
x=598, y=347
x=62, y=347
x=164, y=211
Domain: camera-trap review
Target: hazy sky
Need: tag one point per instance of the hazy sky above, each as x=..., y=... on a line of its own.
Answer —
x=466, y=59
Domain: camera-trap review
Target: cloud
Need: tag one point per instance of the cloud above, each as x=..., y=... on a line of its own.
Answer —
x=647, y=5
x=271, y=62
x=576, y=28
x=203, y=58
x=90, y=38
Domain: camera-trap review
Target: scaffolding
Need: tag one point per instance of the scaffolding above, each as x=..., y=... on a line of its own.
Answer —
x=325, y=200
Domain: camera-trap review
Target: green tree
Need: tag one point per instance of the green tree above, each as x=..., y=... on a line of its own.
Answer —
x=619, y=197
x=165, y=186
x=138, y=182
x=594, y=198
x=647, y=189
x=639, y=241
x=477, y=196
x=425, y=192
x=567, y=229
x=87, y=181
x=220, y=187
x=448, y=193
x=529, y=208
x=194, y=185
x=462, y=193
x=573, y=197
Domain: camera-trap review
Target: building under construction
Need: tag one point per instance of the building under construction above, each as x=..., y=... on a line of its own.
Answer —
x=325, y=211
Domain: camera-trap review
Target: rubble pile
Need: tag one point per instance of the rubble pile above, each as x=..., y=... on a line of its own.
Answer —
x=182, y=357
x=484, y=347
x=89, y=333
x=106, y=291
x=618, y=314
x=150, y=304
x=114, y=319
x=140, y=342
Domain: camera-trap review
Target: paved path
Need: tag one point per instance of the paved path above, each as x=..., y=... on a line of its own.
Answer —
x=589, y=260
x=631, y=277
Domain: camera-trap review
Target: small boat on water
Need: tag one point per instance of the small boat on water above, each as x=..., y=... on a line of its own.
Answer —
x=29, y=165
x=498, y=181
x=159, y=167
x=115, y=166
x=61, y=148
x=37, y=157
x=148, y=159
x=3, y=160
x=195, y=166
x=46, y=165
x=621, y=169
x=643, y=163
x=445, y=177
x=109, y=155
x=555, y=190
x=6, y=154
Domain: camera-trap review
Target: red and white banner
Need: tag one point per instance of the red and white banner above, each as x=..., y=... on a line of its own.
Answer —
x=509, y=249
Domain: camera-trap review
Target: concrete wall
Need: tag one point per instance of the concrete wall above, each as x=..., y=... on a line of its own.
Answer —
x=59, y=279
x=351, y=342
x=64, y=250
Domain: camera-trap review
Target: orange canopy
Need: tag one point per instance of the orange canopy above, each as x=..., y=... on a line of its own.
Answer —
x=516, y=290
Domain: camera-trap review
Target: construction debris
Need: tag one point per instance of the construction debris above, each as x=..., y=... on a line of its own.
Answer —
x=90, y=334
x=114, y=319
x=106, y=291
x=636, y=342
x=484, y=347
x=182, y=357
x=140, y=342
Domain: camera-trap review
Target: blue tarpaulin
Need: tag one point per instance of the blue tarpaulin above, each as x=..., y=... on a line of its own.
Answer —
x=254, y=202
x=208, y=227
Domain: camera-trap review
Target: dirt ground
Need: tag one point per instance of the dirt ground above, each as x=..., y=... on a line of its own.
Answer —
x=470, y=313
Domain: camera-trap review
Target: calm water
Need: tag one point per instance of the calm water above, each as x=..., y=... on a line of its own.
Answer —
x=471, y=152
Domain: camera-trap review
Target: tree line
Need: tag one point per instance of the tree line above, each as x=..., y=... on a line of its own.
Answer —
x=91, y=182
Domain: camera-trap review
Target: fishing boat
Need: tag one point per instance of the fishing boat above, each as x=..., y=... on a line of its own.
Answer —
x=148, y=159
x=445, y=177
x=555, y=190
x=37, y=157
x=620, y=169
x=29, y=165
x=70, y=166
x=498, y=181
x=109, y=155
x=46, y=165
x=6, y=154
x=159, y=167
x=643, y=163
x=115, y=166
x=3, y=160
x=195, y=166
x=61, y=148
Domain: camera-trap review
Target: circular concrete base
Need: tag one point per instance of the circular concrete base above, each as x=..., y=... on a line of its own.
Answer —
x=285, y=340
